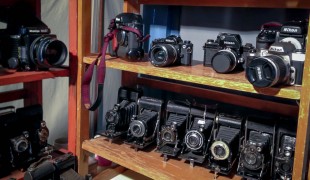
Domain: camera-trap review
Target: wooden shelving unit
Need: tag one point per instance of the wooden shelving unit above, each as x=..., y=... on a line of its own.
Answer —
x=150, y=163
x=31, y=92
x=147, y=162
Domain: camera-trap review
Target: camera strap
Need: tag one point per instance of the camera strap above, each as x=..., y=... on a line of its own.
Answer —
x=101, y=68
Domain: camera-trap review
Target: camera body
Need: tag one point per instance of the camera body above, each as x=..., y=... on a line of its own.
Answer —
x=256, y=157
x=53, y=166
x=285, y=150
x=227, y=138
x=226, y=53
x=144, y=127
x=171, y=134
x=118, y=118
x=198, y=135
x=28, y=45
x=171, y=50
x=127, y=44
x=282, y=62
x=23, y=135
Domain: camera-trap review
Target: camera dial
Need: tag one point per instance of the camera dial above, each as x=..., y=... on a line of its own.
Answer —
x=220, y=150
x=194, y=139
x=252, y=158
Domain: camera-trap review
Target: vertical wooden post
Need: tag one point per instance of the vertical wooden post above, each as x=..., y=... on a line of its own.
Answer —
x=302, y=138
x=83, y=49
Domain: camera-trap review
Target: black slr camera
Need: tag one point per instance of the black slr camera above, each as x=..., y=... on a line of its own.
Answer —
x=282, y=62
x=226, y=53
x=198, y=136
x=23, y=135
x=171, y=51
x=285, y=150
x=257, y=150
x=118, y=118
x=128, y=44
x=27, y=44
x=225, y=146
x=144, y=127
x=171, y=134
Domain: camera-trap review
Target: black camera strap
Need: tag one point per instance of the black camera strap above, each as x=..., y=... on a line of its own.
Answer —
x=101, y=68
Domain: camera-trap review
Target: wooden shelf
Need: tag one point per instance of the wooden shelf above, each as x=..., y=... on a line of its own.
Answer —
x=18, y=175
x=236, y=3
x=199, y=74
x=148, y=162
x=7, y=77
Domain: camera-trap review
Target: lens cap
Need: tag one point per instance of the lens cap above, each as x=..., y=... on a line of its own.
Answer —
x=262, y=72
x=223, y=62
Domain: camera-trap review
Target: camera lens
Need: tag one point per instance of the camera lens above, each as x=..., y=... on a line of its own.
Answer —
x=47, y=51
x=168, y=135
x=194, y=140
x=20, y=144
x=224, y=61
x=286, y=167
x=267, y=71
x=112, y=117
x=137, y=128
x=220, y=150
x=163, y=55
x=251, y=158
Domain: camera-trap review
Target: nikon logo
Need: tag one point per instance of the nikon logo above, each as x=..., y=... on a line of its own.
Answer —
x=259, y=72
x=229, y=42
x=276, y=49
x=291, y=30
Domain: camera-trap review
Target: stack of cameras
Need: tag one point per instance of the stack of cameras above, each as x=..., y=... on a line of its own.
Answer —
x=254, y=147
x=278, y=58
x=23, y=137
x=27, y=44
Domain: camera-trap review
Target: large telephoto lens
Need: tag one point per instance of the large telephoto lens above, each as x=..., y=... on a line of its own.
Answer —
x=47, y=52
x=267, y=71
x=162, y=55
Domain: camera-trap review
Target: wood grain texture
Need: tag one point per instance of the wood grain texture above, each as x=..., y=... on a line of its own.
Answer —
x=148, y=163
x=302, y=140
x=219, y=96
x=73, y=68
x=110, y=173
x=8, y=77
x=235, y=3
x=34, y=93
x=199, y=74
x=83, y=37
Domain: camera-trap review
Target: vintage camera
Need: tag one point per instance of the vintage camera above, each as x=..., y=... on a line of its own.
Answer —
x=280, y=62
x=285, y=150
x=53, y=167
x=27, y=44
x=171, y=51
x=227, y=138
x=118, y=118
x=226, y=53
x=22, y=136
x=144, y=127
x=171, y=134
x=198, y=136
x=127, y=44
x=256, y=157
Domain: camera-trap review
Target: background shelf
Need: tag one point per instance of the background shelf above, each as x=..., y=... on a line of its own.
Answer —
x=148, y=162
x=199, y=74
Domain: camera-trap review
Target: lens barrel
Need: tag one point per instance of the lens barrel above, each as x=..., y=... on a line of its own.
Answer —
x=47, y=51
x=162, y=55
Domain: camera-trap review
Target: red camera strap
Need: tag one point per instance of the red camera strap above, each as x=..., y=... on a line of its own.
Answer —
x=101, y=68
